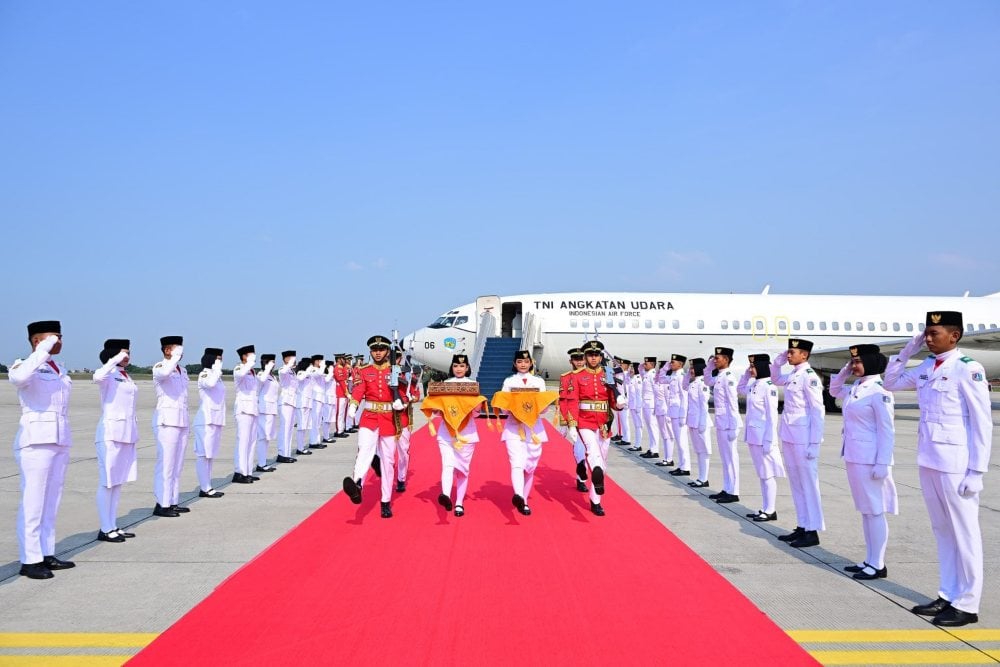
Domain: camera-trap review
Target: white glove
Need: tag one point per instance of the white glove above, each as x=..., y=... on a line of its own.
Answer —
x=268, y=367
x=912, y=347
x=48, y=343
x=971, y=485
x=812, y=450
x=880, y=471
x=710, y=365
x=290, y=363
x=177, y=352
x=621, y=402
x=120, y=357
x=251, y=358
x=352, y=410
x=572, y=434
x=217, y=366
x=782, y=358
x=397, y=405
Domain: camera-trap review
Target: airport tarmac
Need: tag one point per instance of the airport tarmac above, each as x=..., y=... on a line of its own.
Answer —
x=121, y=595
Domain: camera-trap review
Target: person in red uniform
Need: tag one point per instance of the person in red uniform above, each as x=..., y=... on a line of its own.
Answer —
x=591, y=407
x=340, y=374
x=565, y=398
x=380, y=426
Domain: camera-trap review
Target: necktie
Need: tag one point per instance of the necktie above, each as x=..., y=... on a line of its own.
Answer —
x=54, y=367
x=124, y=373
x=938, y=362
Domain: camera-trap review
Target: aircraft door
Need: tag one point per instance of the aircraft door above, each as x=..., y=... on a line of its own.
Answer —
x=511, y=320
x=487, y=305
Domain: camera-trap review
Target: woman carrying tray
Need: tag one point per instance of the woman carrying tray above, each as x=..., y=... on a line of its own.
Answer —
x=457, y=434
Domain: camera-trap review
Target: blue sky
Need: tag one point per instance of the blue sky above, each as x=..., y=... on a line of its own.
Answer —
x=304, y=174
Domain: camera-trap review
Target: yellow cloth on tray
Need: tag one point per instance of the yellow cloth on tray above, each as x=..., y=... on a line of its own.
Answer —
x=456, y=409
x=525, y=406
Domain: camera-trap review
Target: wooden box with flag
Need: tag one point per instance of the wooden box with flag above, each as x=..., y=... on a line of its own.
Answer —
x=453, y=388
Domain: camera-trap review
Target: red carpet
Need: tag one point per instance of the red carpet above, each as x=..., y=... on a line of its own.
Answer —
x=493, y=587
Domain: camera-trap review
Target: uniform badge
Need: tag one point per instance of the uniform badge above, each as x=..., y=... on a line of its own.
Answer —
x=977, y=377
x=774, y=393
x=924, y=376
x=814, y=383
x=887, y=399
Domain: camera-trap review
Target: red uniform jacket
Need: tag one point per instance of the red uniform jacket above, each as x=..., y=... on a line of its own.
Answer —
x=567, y=389
x=340, y=374
x=373, y=388
x=589, y=390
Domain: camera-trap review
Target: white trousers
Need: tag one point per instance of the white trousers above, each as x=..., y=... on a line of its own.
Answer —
x=315, y=423
x=597, y=456
x=403, y=455
x=369, y=443
x=107, y=507
x=955, y=522
x=681, y=441
x=171, y=443
x=803, y=478
x=652, y=429
x=667, y=434
x=267, y=431
x=702, y=443
x=43, y=469
x=729, y=456
x=305, y=420
x=342, y=414
x=524, y=457
x=287, y=432
x=246, y=439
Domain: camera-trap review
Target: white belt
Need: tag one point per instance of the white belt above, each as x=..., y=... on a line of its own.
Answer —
x=594, y=406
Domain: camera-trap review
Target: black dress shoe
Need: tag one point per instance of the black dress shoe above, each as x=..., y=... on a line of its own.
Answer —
x=400, y=486
x=624, y=443
x=303, y=452
x=285, y=459
x=809, y=538
x=180, y=509
x=332, y=438
x=35, y=571
x=211, y=493
x=581, y=486
x=616, y=438
x=353, y=429
x=459, y=510
x=518, y=502
x=264, y=469
x=856, y=568
x=581, y=470
x=386, y=511
x=871, y=573
x=635, y=449
x=526, y=511
x=932, y=608
x=164, y=511
x=377, y=466
x=318, y=445
x=253, y=478
x=760, y=516
x=716, y=496
x=342, y=434
x=445, y=502
x=794, y=535
x=698, y=485
x=598, y=475
x=680, y=473
x=54, y=563
x=597, y=509
x=240, y=478
x=123, y=533
x=953, y=618
x=728, y=498
x=649, y=455
x=109, y=537
x=353, y=490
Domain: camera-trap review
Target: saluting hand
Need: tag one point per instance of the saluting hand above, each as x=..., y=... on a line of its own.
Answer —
x=912, y=347
x=217, y=366
x=268, y=367
x=177, y=352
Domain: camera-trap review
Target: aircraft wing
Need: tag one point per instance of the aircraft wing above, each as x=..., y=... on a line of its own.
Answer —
x=834, y=358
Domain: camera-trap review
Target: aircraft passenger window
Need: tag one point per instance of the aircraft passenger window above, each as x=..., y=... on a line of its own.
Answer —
x=649, y=324
x=809, y=325
x=796, y=326
x=982, y=327
x=572, y=324
x=621, y=324
x=662, y=324
x=921, y=326
x=909, y=327
x=895, y=326
x=701, y=324
x=847, y=326
x=676, y=324
x=883, y=326
x=610, y=324
x=861, y=326
x=736, y=324
x=782, y=325
x=833, y=325
x=969, y=327
x=746, y=324
x=724, y=324
x=635, y=324
x=992, y=326
x=871, y=326
x=759, y=325
x=597, y=324
x=586, y=324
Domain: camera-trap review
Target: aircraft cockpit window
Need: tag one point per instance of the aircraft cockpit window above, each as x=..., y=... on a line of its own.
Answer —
x=442, y=322
x=461, y=319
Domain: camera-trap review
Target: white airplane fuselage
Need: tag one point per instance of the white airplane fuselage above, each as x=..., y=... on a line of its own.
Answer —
x=633, y=325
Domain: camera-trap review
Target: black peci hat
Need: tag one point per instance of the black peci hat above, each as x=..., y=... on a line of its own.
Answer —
x=678, y=357
x=800, y=344
x=288, y=353
x=944, y=318
x=171, y=340
x=725, y=352
x=246, y=349
x=651, y=360
x=460, y=359
x=762, y=364
x=44, y=326
x=871, y=358
x=264, y=358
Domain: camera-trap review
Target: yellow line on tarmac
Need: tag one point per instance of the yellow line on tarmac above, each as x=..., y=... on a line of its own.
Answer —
x=865, y=636
x=967, y=657
x=76, y=639
x=63, y=660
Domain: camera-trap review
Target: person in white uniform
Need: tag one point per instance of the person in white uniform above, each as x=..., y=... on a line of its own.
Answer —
x=267, y=412
x=117, y=433
x=663, y=425
x=869, y=438
x=697, y=420
x=722, y=381
x=318, y=385
x=524, y=443
x=304, y=373
x=761, y=433
x=209, y=420
x=245, y=410
x=171, y=423
x=289, y=396
x=41, y=448
x=329, y=430
x=676, y=397
x=647, y=374
x=801, y=433
x=634, y=407
x=457, y=448
x=953, y=453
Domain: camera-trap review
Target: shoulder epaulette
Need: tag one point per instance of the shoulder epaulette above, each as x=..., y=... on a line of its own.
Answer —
x=967, y=359
x=562, y=375
x=809, y=370
x=361, y=368
x=878, y=382
x=157, y=364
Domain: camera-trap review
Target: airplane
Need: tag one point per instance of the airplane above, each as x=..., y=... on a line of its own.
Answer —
x=633, y=325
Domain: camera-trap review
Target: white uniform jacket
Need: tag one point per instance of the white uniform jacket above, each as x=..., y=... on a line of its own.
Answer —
x=698, y=394
x=118, y=398
x=289, y=385
x=725, y=400
x=247, y=390
x=270, y=392
x=956, y=427
x=170, y=381
x=762, y=413
x=675, y=395
x=868, y=408
x=44, y=395
x=803, y=416
x=212, y=392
